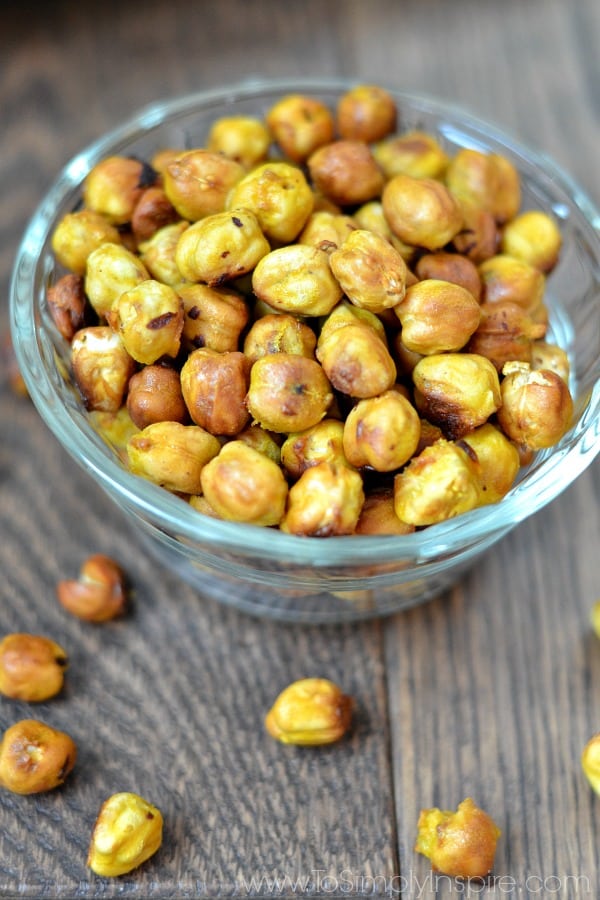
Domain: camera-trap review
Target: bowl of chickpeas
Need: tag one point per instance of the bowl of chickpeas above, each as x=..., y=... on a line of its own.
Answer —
x=323, y=342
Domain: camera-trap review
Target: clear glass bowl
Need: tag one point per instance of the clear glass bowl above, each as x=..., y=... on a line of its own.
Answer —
x=264, y=571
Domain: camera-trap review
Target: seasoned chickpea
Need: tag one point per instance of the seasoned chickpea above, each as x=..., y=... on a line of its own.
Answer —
x=214, y=317
x=243, y=485
x=346, y=313
x=114, y=186
x=214, y=387
x=326, y=230
x=172, y=455
x=378, y=515
x=279, y=196
x=115, y=428
x=498, y=459
x=537, y=407
x=154, y=395
x=35, y=757
x=487, y=180
x=370, y=216
x=533, y=237
x=437, y=316
x=479, y=237
x=99, y=594
x=127, y=832
x=297, y=279
x=443, y=481
x=460, y=844
x=550, y=356
x=356, y=361
x=381, y=433
x=102, y=367
x=158, y=253
x=366, y=113
x=149, y=321
x=421, y=211
x=80, y=233
x=279, y=333
x=67, y=304
x=111, y=270
x=346, y=172
x=504, y=277
x=198, y=182
x=414, y=153
x=300, y=125
x=244, y=139
x=262, y=440
x=506, y=332
x=326, y=500
x=457, y=391
x=32, y=667
x=311, y=712
x=507, y=201
x=288, y=393
x=370, y=271
x=321, y=443
x=222, y=247
x=452, y=267
x=153, y=211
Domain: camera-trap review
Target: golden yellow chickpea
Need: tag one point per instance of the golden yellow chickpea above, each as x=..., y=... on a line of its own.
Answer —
x=460, y=844
x=149, y=321
x=326, y=500
x=127, y=832
x=262, y=440
x=550, y=356
x=421, y=211
x=288, y=393
x=346, y=172
x=172, y=455
x=326, y=230
x=214, y=317
x=300, y=124
x=32, y=667
x=443, y=481
x=366, y=112
x=279, y=333
x=221, y=247
x=505, y=278
x=534, y=237
x=356, y=361
x=35, y=757
x=114, y=186
x=297, y=279
x=102, y=367
x=414, y=153
x=498, y=459
x=453, y=267
x=346, y=313
x=279, y=196
x=243, y=485
x=505, y=332
x=67, y=304
x=198, y=182
x=590, y=762
x=245, y=139
x=310, y=712
x=382, y=432
x=214, y=387
x=487, y=180
x=321, y=443
x=158, y=253
x=80, y=233
x=537, y=407
x=115, y=428
x=152, y=212
x=154, y=395
x=371, y=272
x=437, y=316
x=111, y=270
x=507, y=201
x=378, y=515
x=370, y=216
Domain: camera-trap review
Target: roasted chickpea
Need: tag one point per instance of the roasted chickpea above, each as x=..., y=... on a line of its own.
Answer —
x=486, y=180
x=370, y=271
x=262, y=440
x=326, y=230
x=506, y=332
x=154, y=395
x=198, y=182
x=297, y=279
x=479, y=237
x=149, y=321
x=32, y=667
x=158, y=253
x=453, y=267
x=244, y=139
x=127, y=832
x=111, y=270
x=102, y=367
x=214, y=387
x=288, y=393
x=504, y=278
x=221, y=247
x=378, y=515
x=67, y=304
x=214, y=317
x=460, y=844
x=356, y=361
x=414, y=153
x=537, y=407
x=35, y=757
x=346, y=313
x=80, y=233
x=550, y=356
x=421, y=211
x=153, y=211
x=279, y=196
x=321, y=443
x=370, y=216
x=310, y=712
x=533, y=237
x=115, y=427
x=366, y=113
x=437, y=316
x=279, y=333
x=172, y=455
x=326, y=500
x=382, y=432
x=243, y=485
x=498, y=459
x=114, y=186
x=346, y=172
x=300, y=124
x=508, y=196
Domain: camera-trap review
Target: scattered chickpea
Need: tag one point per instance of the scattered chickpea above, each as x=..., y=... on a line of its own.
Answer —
x=35, y=757
x=99, y=594
x=461, y=844
x=310, y=712
x=590, y=762
x=127, y=832
x=32, y=667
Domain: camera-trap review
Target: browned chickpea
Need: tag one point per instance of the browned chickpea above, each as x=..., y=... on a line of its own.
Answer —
x=370, y=216
x=346, y=313
x=78, y=234
x=460, y=844
x=244, y=139
x=163, y=157
x=153, y=211
x=102, y=367
x=111, y=270
x=262, y=440
x=382, y=432
x=533, y=237
x=158, y=253
x=370, y=271
x=288, y=393
x=300, y=124
x=537, y=407
x=414, y=153
x=198, y=182
x=114, y=186
x=35, y=757
x=479, y=238
x=154, y=395
x=279, y=333
x=550, y=356
x=421, y=211
x=221, y=247
x=67, y=304
x=243, y=485
x=321, y=443
x=430, y=433
x=279, y=196
x=326, y=500
x=214, y=388
x=172, y=455
x=498, y=459
x=452, y=267
x=346, y=172
x=214, y=317
x=326, y=230
x=486, y=179
x=32, y=667
x=297, y=279
x=366, y=113
x=149, y=321
x=437, y=316
x=506, y=332
x=356, y=361
x=378, y=515
x=504, y=278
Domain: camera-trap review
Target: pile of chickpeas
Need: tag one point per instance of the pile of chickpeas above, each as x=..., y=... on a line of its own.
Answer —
x=317, y=321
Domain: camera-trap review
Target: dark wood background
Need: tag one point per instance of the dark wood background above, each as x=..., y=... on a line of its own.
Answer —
x=490, y=690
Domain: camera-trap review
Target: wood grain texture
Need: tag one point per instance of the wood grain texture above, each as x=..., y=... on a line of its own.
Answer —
x=490, y=690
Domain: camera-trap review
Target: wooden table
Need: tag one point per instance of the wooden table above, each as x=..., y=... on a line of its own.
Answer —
x=489, y=691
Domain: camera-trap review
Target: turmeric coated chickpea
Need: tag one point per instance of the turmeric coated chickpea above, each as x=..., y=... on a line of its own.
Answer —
x=370, y=217
x=154, y=395
x=214, y=387
x=300, y=124
x=279, y=333
x=346, y=172
x=460, y=844
x=198, y=183
x=421, y=211
x=326, y=230
x=34, y=757
x=437, y=316
x=111, y=269
x=326, y=500
x=213, y=317
x=537, y=407
x=346, y=313
x=310, y=712
x=288, y=393
x=102, y=367
x=68, y=304
x=221, y=247
x=127, y=832
x=172, y=455
x=414, y=153
x=114, y=186
x=322, y=442
x=356, y=360
x=297, y=279
x=78, y=234
x=367, y=113
x=245, y=139
x=158, y=253
x=378, y=515
x=279, y=196
x=533, y=237
x=149, y=321
x=498, y=459
x=32, y=667
x=382, y=432
x=371, y=272
x=262, y=440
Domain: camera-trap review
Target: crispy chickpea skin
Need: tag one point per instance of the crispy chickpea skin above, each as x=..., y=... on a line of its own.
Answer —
x=326, y=230
x=378, y=515
x=35, y=757
x=414, y=153
x=534, y=237
x=300, y=125
x=243, y=485
x=381, y=433
x=287, y=392
x=460, y=844
x=297, y=279
x=506, y=332
x=366, y=112
x=153, y=211
x=154, y=395
x=198, y=183
x=437, y=316
x=67, y=304
x=453, y=267
x=370, y=271
x=214, y=317
x=127, y=832
x=321, y=443
x=114, y=186
x=244, y=139
x=457, y=391
x=498, y=459
x=32, y=667
x=172, y=455
x=149, y=321
x=80, y=233
x=310, y=712
x=487, y=180
x=443, y=481
x=221, y=247
x=506, y=278
x=111, y=270
x=158, y=253
x=99, y=594
x=214, y=387
x=421, y=211
x=102, y=367
x=279, y=333
x=326, y=500
x=356, y=361
x=279, y=196
x=346, y=172
x=537, y=407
